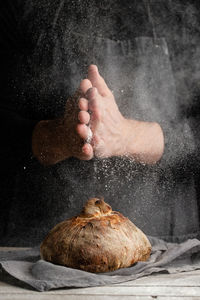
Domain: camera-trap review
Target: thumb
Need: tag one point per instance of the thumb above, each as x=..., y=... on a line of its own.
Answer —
x=98, y=81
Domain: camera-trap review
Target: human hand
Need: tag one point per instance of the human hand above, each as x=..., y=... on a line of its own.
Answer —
x=114, y=135
x=107, y=123
x=59, y=139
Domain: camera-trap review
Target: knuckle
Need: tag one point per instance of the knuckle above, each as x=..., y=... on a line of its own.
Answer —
x=91, y=93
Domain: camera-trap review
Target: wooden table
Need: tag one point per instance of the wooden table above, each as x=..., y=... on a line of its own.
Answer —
x=184, y=286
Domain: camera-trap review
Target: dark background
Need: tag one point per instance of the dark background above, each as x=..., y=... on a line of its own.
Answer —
x=21, y=23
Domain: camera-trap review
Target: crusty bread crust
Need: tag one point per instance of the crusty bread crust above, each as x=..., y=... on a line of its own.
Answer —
x=98, y=240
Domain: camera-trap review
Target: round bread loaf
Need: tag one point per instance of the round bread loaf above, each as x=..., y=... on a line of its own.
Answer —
x=98, y=240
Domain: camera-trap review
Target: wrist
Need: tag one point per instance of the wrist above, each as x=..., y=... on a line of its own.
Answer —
x=130, y=136
x=144, y=141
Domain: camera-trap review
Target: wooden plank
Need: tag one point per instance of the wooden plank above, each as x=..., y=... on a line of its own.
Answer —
x=114, y=291
x=180, y=279
x=40, y=296
x=73, y=297
x=173, y=298
x=135, y=291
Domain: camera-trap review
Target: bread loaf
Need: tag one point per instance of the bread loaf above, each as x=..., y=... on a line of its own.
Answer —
x=97, y=240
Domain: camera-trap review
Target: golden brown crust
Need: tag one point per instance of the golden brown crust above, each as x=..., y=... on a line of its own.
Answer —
x=98, y=240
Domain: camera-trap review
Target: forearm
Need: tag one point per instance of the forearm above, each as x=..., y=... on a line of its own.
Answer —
x=144, y=141
x=47, y=142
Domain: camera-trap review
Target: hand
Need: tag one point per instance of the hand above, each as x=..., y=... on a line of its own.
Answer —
x=59, y=139
x=113, y=135
x=106, y=122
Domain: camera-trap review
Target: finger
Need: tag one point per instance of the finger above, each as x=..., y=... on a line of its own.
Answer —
x=97, y=81
x=84, y=86
x=83, y=104
x=83, y=131
x=94, y=103
x=84, y=117
x=87, y=151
